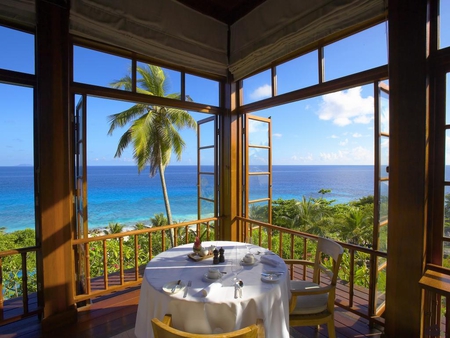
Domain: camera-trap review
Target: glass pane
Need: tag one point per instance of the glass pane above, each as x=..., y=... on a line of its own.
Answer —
x=257, y=87
x=202, y=90
x=207, y=134
x=258, y=160
x=207, y=186
x=258, y=133
x=447, y=155
x=101, y=69
x=446, y=253
x=356, y=53
x=16, y=162
x=206, y=209
x=444, y=22
x=168, y=84
x=20, y=47
x=381, y=282
x=447, y=99
x=298, y=73
x=206, y=159
x=384, y=200
x=447, y=212
x=258, y=187
x=384, y=156
x=383, y=238
x=384, y=111
x=259, y=211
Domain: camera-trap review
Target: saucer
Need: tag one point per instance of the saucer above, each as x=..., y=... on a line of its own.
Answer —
x=210, y=280
x=167, y=288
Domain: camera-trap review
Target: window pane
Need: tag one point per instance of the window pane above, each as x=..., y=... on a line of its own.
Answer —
x=384, y=200
x=168, y=85
x=258, y=159
x=446, y=258
x=16, y=159
x=447, y=212
x=257, y=87
x=384, y=109
x=207, y=186
x=100, y=69
x=298, y=73
x=356, y=53
x=206, y=159
x=207, y=134
x=384, y=156
x=444, y=28
x=259, y=211
x=447, y=99
x=202, y=90
x=20, y=47
x=258, y=187
x=447, y=155
x=258, y=133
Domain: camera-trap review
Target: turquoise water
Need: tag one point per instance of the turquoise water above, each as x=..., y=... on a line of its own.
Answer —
x=120, y=194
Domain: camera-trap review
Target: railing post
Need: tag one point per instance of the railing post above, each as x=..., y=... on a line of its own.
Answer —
x=24, y=282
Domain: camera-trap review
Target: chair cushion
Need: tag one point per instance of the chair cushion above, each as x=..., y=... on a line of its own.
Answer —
x=308, y=304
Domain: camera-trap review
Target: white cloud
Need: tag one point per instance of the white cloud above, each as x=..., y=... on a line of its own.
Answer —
x=261, y=92
x=357, y=155
x=277, y=135
x=346, y=107
x=356, y=135
x=307, y=158
x=334, y=136
x=344, y=143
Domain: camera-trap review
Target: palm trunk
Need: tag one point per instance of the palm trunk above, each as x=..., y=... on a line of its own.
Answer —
x=166, y=201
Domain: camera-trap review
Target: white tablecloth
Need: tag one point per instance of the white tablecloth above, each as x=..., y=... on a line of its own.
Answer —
x=219, y=311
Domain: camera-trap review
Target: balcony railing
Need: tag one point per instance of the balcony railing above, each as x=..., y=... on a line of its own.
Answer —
x=114, y=262
x=18, y=285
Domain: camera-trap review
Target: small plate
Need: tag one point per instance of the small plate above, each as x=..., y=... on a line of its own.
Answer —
x=209, y=280
x=172, y=287
x=271, y=277
x=248, y=263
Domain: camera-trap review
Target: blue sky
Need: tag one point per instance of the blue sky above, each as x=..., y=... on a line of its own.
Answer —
x=331, y=129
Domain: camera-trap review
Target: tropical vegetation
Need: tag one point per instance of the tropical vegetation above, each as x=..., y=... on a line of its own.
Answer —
x=152, y=131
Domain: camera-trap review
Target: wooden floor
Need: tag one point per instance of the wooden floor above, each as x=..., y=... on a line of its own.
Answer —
x=115, y=315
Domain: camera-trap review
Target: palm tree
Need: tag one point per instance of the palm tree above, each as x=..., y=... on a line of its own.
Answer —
x=113, y=228
x=153, y=130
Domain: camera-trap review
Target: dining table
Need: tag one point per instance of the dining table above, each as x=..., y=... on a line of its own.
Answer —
x=177, y=282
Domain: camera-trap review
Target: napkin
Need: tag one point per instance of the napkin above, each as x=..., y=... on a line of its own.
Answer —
x=270, y=259
x=211, y=288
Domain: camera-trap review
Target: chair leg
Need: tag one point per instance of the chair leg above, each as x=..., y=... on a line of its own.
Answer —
x=331, y=329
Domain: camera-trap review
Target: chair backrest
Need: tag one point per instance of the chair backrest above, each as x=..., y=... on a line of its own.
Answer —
x=163, y=329
x=327, y=249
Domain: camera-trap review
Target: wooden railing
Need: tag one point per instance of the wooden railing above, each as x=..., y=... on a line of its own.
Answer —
x=18, y=296
x=289, y=244
x=116, y=261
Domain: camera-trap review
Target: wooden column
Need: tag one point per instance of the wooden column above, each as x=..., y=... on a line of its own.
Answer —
x=52, y=161
x=408, y=168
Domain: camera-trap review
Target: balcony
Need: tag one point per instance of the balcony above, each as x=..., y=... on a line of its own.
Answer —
x=108, y=304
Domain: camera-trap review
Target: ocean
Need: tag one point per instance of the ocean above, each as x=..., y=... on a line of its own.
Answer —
x=120, y=194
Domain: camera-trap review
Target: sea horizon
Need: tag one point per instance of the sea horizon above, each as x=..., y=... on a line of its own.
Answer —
x=118, y=194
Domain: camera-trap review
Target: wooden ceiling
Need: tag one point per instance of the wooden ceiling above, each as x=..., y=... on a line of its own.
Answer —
x=226, y=11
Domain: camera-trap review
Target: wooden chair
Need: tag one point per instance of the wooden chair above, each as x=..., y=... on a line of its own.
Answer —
x=163, y=329
x=312, y=302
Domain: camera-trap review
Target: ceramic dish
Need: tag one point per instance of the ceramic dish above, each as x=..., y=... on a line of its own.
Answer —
x=270, y=277
x=172, y=287
x=208, y=279
x=249, y=263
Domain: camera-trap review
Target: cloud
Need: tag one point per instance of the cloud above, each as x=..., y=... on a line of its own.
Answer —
x=307, y=158
x=346, y=107
x=261, y=92
x=356, y=135
x=334, y=136
x=357, y=155
x=344, y=143
x=277, y=135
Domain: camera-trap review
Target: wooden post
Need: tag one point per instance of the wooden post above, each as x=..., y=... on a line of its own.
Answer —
x=408, y=172
x=53, y=162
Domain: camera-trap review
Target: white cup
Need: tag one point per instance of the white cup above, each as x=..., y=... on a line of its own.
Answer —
x=249, y=258
x=214, y=273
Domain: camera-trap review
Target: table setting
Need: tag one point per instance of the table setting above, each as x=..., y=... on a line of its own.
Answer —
x=231, y=287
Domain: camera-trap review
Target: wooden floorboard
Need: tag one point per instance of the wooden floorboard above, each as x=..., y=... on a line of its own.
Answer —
x=115, y=314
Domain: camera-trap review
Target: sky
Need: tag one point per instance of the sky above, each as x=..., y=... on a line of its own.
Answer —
x=332, y=129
